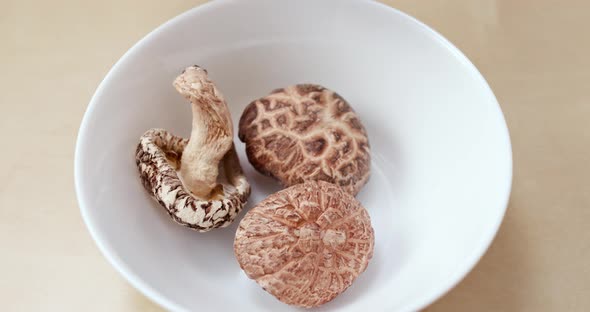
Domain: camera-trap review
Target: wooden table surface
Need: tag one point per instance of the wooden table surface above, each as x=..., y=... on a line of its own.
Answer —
x=534, y=54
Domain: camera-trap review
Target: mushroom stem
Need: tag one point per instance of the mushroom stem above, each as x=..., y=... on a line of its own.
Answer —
x=212, y=132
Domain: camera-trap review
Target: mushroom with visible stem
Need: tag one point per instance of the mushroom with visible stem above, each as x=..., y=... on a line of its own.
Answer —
x=199, y=181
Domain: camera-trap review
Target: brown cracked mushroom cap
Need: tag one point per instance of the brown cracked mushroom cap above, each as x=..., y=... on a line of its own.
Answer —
x=199, y=181
x=305, y=133
x=305, y=244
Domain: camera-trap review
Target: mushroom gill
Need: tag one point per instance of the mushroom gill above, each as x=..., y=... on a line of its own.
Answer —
x=184, y=176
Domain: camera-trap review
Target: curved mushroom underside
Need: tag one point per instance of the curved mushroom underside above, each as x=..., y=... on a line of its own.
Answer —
x=306, y=132
x=158, y=158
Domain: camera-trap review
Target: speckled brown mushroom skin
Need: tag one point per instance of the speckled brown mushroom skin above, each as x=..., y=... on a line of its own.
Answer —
x=305, y=244
x=304, y=133
x=198, y=181
x=158, y=156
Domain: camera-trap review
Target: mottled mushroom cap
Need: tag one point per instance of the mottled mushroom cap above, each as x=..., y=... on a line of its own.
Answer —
x=158, y=159
x=305, y=133
x=305, y=244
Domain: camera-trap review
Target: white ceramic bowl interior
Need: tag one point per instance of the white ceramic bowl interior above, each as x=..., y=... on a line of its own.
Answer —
x=441, y=157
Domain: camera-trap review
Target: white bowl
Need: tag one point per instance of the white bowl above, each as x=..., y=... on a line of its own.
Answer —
x=441, y=156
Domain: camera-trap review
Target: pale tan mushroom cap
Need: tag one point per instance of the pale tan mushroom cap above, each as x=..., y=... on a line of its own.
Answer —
x=304, y=133
x=305, y=244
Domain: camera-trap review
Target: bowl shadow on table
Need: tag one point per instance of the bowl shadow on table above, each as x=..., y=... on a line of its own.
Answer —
x=494, y=282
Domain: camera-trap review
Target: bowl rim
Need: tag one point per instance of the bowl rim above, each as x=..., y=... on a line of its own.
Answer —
x=139, y=284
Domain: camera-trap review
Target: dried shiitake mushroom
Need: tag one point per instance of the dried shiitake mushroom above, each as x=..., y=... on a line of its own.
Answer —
x=199, y=181
x=304, y=133
x=305, y=244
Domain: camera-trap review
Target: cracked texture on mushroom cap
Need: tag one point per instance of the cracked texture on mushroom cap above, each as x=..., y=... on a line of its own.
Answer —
x=305, y=244
x=156, y=155
x=306, y=132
